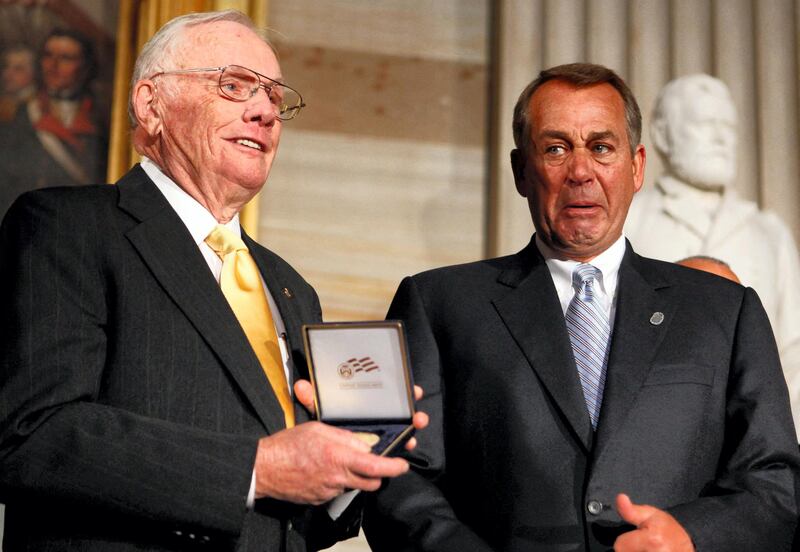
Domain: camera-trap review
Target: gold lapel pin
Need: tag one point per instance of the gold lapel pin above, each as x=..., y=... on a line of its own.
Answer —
x=287, y=292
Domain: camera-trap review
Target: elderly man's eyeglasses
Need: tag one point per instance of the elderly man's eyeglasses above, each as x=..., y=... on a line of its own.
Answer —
x=239, y=84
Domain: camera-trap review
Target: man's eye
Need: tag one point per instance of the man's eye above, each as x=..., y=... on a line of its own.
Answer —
x=601, y=148
x=231, y=86
x=555, y=150
x=275, y=95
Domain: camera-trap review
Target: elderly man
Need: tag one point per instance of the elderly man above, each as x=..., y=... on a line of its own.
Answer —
x=693, y=210
x=583, y=397
x=148, y=345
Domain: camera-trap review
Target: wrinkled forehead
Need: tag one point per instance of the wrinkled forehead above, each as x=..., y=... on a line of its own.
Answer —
x=226, y=43
x=558, y=102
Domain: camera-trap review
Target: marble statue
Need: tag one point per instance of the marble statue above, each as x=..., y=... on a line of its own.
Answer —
x=694, y=210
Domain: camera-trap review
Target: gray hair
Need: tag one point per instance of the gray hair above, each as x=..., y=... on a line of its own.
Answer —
x=577, y=74
x=159, y=53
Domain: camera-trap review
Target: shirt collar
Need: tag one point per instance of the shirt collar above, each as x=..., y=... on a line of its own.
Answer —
x=607, y=263
x=198, y=220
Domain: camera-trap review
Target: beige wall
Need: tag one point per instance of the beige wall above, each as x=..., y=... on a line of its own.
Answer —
x=383, y=174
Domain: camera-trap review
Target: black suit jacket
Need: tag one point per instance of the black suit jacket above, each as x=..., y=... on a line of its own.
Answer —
x=695, y=415
x=130, y=400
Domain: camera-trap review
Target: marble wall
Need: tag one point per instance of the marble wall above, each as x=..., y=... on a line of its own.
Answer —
x=383, y=174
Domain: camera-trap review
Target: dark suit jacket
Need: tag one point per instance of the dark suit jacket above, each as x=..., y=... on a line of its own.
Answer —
x=130, y=399
x=695, y=415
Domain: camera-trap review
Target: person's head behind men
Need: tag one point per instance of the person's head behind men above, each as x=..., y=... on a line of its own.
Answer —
x=711, y=265
x=578, y=159
x=694, y=131
x=218, y=149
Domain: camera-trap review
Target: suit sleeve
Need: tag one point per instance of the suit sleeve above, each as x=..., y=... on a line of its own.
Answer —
x=411, y=512
x=752, y=504
x=58, y=441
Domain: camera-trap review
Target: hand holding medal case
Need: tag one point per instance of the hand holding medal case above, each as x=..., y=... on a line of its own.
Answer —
x=362, y=380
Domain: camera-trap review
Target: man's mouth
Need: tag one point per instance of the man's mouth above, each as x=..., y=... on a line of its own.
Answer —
x=249, y=144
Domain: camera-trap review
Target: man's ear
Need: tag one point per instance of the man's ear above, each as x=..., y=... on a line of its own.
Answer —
x=145, y=106
x=518, y=167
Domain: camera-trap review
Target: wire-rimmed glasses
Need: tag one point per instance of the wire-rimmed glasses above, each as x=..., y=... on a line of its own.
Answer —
x=239, y=84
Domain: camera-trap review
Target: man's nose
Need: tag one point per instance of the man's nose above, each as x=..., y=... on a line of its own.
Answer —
x=580, y=167
x=261, y=109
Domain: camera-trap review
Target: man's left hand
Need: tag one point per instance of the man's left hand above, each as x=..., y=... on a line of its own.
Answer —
x=656, y=530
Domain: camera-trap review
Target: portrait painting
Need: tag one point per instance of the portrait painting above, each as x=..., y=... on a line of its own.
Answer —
x=56, y=86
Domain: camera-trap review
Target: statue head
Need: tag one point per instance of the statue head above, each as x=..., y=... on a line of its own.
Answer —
x=694, y=130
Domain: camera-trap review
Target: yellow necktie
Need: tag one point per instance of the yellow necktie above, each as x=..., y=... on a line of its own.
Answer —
x=241, y=285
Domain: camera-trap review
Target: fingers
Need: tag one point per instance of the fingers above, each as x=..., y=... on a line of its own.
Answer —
x=304, y=392
x=370, y=465
x=418, y=393
x=633, y=513
x=656, y=530
x=313, y=462
x=420, y=420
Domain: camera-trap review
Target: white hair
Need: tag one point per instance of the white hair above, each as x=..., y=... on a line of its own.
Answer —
x=159, y=53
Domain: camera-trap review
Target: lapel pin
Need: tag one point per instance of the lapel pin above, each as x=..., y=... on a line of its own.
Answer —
x=657, y=318
x=287, y=292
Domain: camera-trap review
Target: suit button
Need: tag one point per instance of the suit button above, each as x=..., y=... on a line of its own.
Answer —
x=594, y=507
x=289, y=525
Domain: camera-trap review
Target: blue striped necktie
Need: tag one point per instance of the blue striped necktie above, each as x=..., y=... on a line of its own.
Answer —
x=590, y=334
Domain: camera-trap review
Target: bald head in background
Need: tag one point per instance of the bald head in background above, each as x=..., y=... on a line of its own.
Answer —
x=710, y=264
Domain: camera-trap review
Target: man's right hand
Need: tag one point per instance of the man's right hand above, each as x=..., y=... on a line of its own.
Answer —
x=313, y=462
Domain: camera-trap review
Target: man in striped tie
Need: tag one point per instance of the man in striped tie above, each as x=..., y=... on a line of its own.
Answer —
x=583, y=397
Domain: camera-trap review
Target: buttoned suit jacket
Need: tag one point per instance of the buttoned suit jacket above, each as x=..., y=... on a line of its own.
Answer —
x=694, y=419
x=130, y=400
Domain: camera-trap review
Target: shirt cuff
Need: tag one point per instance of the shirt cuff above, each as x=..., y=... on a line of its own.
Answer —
x=339, y=504
x=251, y=494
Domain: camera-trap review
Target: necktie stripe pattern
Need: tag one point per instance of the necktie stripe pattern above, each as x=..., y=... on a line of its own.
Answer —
x=589, y=333
x=241, y=285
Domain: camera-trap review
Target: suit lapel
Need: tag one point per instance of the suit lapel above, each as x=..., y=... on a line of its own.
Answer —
x=280, y=287
x=638, y=330
x=167, y=248
x=533, y=316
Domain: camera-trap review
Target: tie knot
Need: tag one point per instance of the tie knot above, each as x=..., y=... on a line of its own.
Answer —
x=584, y=274
x=223, y=241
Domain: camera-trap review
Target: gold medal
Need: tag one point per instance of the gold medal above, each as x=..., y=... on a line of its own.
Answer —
x=369, y=438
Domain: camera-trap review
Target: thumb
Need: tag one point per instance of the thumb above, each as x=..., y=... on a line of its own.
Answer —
x=305, y=394
x=635, y=514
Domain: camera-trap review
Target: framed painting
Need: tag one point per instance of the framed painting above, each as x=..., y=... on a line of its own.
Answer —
x=57, y=63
